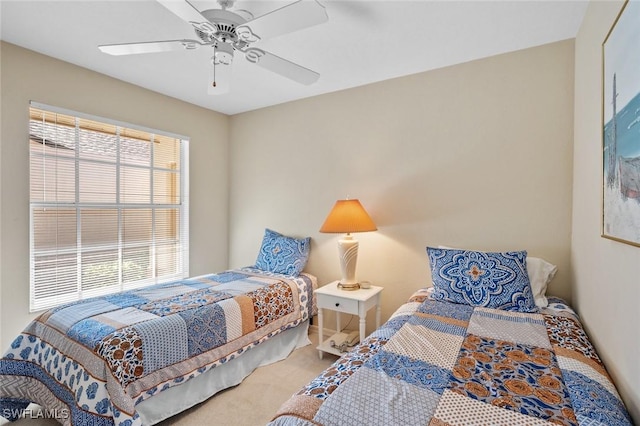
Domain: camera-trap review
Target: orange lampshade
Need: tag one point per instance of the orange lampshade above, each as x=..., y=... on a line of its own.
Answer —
x=348, y=216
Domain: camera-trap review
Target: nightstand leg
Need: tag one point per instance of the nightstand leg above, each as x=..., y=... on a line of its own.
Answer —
x=363, y=326
x=378, y=310
x=320, y=331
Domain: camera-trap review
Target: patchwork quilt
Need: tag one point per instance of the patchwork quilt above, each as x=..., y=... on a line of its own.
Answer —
x=93, y=361
x=439, y=363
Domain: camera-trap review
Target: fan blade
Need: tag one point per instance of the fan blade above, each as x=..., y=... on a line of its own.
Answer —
x=287, y=19
x=281, y=66
x=221, y=75
x=184, y=10
x=148, y=47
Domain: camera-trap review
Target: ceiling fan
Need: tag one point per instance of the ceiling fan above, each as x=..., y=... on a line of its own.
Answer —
x=227, y=31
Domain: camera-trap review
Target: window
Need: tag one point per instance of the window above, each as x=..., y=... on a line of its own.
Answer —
x=108, y=206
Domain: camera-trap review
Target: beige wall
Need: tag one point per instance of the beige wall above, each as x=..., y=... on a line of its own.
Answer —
x=607, y=288
x=476, y=155
x=2, y=346
x=29, y=76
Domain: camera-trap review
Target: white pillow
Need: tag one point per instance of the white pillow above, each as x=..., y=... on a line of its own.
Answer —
x=540, y=274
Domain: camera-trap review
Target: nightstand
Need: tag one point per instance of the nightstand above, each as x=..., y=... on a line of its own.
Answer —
x=355, y=302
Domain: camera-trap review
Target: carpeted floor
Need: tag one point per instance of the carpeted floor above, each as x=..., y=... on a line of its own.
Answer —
x=252, y=402
x=258, y=397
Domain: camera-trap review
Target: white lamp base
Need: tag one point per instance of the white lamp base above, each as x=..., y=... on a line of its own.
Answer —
x=348, y=287
x=348, y=251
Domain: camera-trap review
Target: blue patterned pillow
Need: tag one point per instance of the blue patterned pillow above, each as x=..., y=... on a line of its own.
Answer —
x=486, y=279
x=282, y=254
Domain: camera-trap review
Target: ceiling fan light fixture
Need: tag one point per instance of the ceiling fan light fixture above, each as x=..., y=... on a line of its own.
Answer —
x=223, y=54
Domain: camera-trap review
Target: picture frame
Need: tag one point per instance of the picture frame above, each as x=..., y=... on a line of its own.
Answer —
x=621, y=127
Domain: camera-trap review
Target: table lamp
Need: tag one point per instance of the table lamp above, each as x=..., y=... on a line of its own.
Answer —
x=348, y=216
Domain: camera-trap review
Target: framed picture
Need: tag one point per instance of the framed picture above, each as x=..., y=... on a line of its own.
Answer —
x=621, y=128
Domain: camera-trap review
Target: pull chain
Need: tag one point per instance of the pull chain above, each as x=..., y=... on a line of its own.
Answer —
x=214, y=66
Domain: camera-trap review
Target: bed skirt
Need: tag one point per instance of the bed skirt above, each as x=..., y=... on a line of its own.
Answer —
x=192, y=392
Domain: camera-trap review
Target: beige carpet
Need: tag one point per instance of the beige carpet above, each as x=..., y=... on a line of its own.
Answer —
x=252, y=402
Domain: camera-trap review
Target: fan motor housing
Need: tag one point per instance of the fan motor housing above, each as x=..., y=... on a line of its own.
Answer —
x=225, y=22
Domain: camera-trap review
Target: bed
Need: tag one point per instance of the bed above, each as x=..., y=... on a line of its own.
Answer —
x=140, y=356
x=468, y=351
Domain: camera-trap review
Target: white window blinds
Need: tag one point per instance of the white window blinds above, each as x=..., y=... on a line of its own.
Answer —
x=108, y=206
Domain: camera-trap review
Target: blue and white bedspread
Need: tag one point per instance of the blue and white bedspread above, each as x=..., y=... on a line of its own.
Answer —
x=438, y=363
x=91, y=362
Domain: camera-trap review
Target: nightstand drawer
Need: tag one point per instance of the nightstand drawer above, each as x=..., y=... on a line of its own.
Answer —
x=340, y=304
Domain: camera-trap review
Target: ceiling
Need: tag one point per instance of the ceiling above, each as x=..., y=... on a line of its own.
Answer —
x=364, y=41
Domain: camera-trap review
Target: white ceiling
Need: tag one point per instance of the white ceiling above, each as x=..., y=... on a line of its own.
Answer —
x=364, y=41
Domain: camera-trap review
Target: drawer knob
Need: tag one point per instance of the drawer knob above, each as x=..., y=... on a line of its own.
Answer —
x=337, y=304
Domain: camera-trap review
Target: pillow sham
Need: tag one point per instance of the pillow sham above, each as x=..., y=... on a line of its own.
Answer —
x=540, y=274
x=282, y=254
x=495, y=280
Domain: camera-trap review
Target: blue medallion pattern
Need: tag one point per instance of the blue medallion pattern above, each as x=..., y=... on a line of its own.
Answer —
x=482, y=279
x=282, y=254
